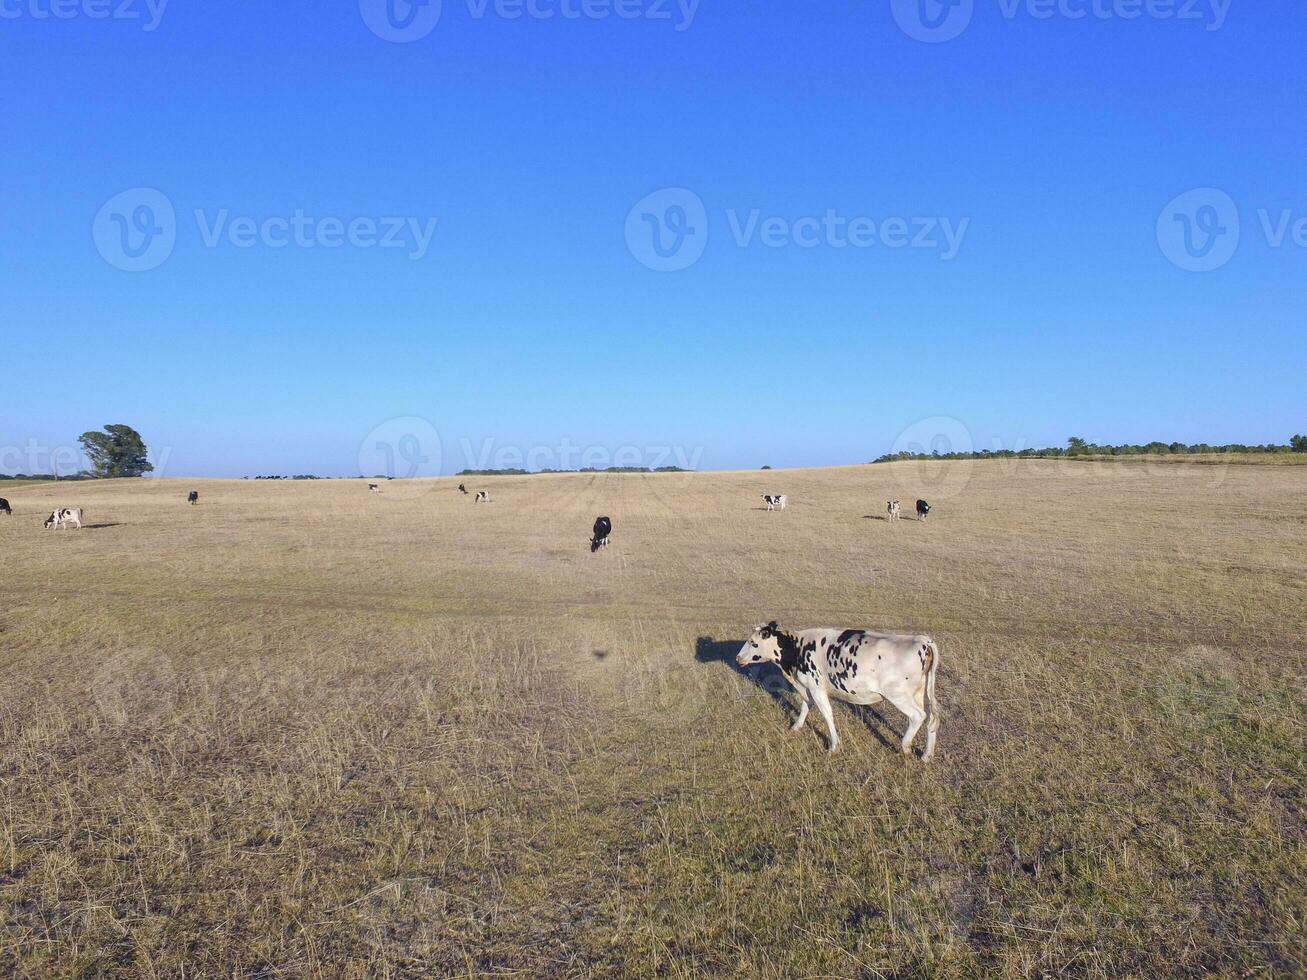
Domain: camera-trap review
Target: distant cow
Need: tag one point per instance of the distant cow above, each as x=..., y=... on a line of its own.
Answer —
x=5, y=508
x=482, y=497
x=462, y=489
x=923, y=509
x=193, y=497
x=603, y=527
x=63, y=516
x=775, y=501
x=857, y=666
x=374, y=488
x=892, y=509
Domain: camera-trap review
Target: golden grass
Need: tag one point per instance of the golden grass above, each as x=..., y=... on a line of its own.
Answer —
x=302, y=730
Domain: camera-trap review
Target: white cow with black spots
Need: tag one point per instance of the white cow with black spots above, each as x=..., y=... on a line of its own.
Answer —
x=857, y=666
x=775, y=501
x=64, y=516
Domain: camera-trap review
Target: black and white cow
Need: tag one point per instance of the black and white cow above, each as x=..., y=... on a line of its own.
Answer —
x=857, y=666
x=374, y=488
x=923, y=509
x=775, y=501
x=462, y=489
x=603, y=527
x=193, y=497
x=64, y=516
x=893, y=509
x=5, y=508
x=482, y=497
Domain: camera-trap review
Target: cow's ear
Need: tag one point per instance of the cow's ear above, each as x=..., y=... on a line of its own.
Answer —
x=774, y=626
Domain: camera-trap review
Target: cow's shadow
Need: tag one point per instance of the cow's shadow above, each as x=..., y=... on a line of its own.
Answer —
x=770, y=680
x=100, y=527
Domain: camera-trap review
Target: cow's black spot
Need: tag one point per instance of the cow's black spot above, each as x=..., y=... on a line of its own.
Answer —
x=849, y=635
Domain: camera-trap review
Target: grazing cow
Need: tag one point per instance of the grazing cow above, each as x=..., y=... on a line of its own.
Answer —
x=482, y=497
x=193, y=497
x=5, y=508
x=923, y=509
x=603, y=527
x=374, y=488
x=64, y=516
x=462, y=489
x=857, y=666
x=892, y=508
x=775, y=500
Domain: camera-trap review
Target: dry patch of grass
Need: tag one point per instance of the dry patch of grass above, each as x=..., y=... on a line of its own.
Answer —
x=301, y=730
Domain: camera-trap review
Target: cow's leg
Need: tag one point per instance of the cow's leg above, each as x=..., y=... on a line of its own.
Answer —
x=803, y=711
x=820, y=698
x=915, y=713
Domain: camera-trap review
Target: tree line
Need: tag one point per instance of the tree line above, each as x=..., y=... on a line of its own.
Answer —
x=1080, y=447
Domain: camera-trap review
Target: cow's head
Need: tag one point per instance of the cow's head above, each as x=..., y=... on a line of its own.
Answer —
x=763, y=647
x=52, y=519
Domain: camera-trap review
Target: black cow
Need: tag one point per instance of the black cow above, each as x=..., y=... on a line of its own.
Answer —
x=193, y=497
x=603, y=528
x=462, y=489
x=5, y=508
x=923, y=509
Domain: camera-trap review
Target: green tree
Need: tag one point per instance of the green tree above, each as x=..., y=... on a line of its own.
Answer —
x=1076, y=445
x=117, y=451
x=1298, y=444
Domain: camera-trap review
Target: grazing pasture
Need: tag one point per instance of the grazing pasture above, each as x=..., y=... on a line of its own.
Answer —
x=305, y=730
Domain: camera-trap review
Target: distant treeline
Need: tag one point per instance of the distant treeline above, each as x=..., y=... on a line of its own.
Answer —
x=80, y=475
x=1079, y=447
x=587, y=469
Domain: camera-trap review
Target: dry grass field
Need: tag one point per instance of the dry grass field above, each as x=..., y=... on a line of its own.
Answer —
x=301, y=730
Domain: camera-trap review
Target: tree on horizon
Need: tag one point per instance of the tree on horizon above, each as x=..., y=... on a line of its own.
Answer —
x=118, y=451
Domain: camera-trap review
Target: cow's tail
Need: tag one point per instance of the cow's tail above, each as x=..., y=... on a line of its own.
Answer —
x=931, y=706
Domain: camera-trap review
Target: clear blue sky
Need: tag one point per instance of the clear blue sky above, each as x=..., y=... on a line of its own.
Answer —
x=530, y=318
